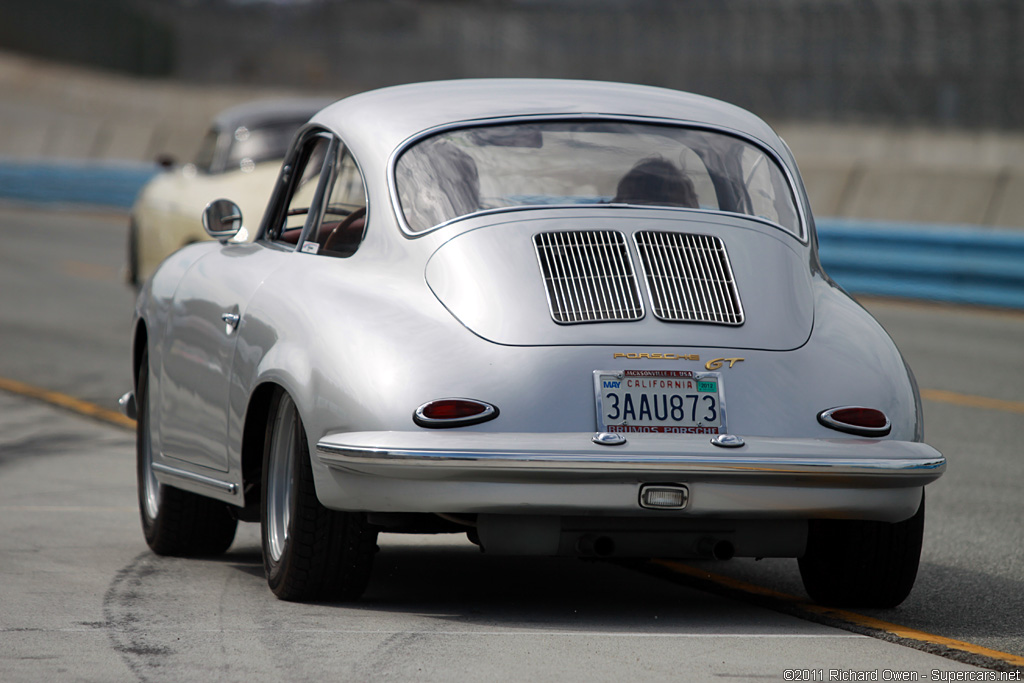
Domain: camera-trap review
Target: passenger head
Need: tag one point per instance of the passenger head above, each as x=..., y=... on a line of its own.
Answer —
x=656, y=181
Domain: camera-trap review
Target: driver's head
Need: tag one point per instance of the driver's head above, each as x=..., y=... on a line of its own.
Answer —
x=656, y=181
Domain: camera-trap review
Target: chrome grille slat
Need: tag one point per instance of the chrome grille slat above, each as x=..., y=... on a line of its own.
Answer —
x=722, y=281
x=588, y=276
x=626, y=308
x=689, y=278
x=612, y=300
x=712, y=306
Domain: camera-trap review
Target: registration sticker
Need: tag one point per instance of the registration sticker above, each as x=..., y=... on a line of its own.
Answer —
x=659, y=401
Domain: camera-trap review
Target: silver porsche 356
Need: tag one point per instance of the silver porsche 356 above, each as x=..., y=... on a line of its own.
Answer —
x=566, y=318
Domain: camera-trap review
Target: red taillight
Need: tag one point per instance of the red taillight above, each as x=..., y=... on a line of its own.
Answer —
x=856, y=420
x=452, y=409
x=453, y=412
x=861, y=417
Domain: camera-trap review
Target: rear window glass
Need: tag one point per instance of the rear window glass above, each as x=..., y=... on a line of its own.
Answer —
x=465, y=171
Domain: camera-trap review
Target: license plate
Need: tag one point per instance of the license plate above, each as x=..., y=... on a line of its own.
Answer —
x=659, y=401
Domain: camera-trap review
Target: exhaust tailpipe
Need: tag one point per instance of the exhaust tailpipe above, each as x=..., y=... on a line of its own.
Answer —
x=590, y=545
x=715, y=548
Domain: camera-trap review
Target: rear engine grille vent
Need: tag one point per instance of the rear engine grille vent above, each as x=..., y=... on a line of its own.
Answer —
x=689, y=278
x=589, y=276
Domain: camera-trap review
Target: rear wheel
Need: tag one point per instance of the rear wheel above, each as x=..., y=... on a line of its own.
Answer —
x=309, y=551
x=857, y=563
x=174, y=522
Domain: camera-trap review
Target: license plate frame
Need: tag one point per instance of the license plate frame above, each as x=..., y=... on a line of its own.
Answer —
x=655, y=383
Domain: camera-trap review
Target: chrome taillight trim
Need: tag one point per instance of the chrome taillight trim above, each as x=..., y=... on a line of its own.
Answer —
x=689, y=278
x=588, y=276
x=488, y=412
x=826, y=418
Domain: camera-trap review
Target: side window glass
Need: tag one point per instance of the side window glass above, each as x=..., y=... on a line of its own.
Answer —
x=303, y=178
x=207, y=151
x=344, y=218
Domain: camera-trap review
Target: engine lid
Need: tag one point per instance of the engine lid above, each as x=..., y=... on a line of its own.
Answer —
x=495, y=281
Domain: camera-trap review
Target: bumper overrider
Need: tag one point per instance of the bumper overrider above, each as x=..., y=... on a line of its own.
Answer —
x=567, y=474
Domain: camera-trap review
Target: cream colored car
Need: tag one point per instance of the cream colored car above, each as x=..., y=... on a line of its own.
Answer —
x=240, y=157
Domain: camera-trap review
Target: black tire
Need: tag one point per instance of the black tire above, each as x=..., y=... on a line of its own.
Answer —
x=852, y=563
x=132, y=274
x=309, y=551
x=174, y=522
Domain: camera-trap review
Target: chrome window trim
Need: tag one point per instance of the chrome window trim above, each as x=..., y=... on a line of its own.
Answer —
x=302, y=137
x=316, y=207
x=333, y=164
x=396, y=205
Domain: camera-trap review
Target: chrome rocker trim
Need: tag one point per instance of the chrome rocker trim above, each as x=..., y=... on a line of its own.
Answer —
x=192, y=477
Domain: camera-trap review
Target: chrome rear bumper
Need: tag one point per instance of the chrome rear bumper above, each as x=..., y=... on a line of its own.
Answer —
x=864, y=462
x=569, y=474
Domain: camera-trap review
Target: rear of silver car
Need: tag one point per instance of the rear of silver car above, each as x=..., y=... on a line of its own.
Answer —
x=609, y=437
x=667, y=370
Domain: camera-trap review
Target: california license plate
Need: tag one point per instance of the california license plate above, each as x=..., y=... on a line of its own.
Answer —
x=659, y=401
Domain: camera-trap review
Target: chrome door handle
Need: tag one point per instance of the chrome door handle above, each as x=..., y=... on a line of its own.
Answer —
x=231, y=320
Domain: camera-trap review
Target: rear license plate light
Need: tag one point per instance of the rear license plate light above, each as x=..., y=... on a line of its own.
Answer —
x=664, y=497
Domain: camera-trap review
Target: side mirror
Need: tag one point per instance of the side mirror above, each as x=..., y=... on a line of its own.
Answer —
x=222, y=219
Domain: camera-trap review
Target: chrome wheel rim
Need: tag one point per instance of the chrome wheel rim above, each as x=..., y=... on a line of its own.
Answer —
x=283, y=448
x=150, y=485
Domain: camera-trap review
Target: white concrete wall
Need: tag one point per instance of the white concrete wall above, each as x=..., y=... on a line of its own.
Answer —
x=51, y=112
x=927, y=176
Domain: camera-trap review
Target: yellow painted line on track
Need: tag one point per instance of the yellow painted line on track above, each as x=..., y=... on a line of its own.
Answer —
x=735, y=585
x=73, y=509
x=904, y=632
x=65, y=401
x=973, y=401
x=93, y=410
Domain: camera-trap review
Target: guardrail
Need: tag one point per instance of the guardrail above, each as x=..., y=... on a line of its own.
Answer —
x=962, y=264
x=112, y=184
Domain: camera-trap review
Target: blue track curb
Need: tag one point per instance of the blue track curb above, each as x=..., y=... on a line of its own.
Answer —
x=962, y=264
x=102, y=183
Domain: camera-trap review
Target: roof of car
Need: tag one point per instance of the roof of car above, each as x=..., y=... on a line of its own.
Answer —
x=254, y=113
x=389, y=116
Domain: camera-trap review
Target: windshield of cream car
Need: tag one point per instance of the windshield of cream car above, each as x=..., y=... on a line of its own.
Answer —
x=468, y=170
x=266, y=142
